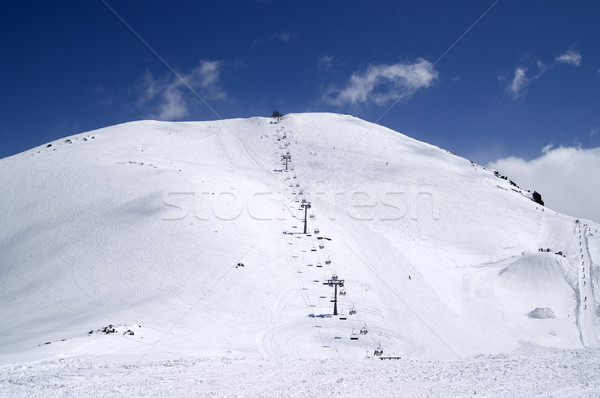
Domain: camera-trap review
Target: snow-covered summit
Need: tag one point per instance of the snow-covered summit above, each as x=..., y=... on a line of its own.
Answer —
x=192, y=233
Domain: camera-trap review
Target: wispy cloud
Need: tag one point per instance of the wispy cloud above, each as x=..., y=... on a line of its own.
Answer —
x=282, y=36
x=382, y=84
x=325, y=63
x=569, y=57
x=521, y=79
x=167, y=97
x=519, y=82
x=565, y=176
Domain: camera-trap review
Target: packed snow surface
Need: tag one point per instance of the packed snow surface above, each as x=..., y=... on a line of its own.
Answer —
x=187, y=240
x=548, y=374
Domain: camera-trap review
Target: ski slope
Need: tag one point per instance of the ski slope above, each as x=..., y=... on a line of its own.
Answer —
x=142, y=225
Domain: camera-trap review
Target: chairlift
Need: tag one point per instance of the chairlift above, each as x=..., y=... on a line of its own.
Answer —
x=297, y=184
x=352, y=311
x=328, y=261
x=364, y=330
x=343, y=317
x=342, y=292
x=312, y=216
x=353, y=336
x=321, y=245
x=316, y=231
x=378, y=351
x=313, y=249
x=295, y=176
x=319, y=265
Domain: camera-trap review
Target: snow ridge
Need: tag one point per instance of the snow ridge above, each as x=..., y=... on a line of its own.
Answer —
x=145, y=224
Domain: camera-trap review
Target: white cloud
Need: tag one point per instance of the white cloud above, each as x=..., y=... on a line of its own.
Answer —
x=569, y=57
x=383, y=83
x=519, y=82
x=169, y=98
x=325, y=62
x=567, y=178
x=594, y=131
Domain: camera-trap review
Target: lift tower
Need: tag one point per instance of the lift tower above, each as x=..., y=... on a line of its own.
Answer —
x=306, y=206
x=335, y=282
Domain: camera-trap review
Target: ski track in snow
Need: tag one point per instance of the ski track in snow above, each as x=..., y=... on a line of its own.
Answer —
x=130, y=228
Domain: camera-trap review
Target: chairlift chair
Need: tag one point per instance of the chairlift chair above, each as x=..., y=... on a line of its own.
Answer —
x=313, y=249
x=319, y=265
x=353, y=336
x=321, y=245
x=342, y=292
x=327, y=261
x=364, y=330
x=312, y=216
x=316, y=231
x=352, y=311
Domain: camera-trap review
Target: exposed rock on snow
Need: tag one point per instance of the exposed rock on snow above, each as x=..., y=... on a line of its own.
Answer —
x=122, y=227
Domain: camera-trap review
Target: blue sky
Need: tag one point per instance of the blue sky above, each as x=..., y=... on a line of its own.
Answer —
x=526, y=76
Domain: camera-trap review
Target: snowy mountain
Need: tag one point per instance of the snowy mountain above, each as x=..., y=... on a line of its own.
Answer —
x=186, y=238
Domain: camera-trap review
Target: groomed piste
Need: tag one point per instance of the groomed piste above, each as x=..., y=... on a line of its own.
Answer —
x=190, y=235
